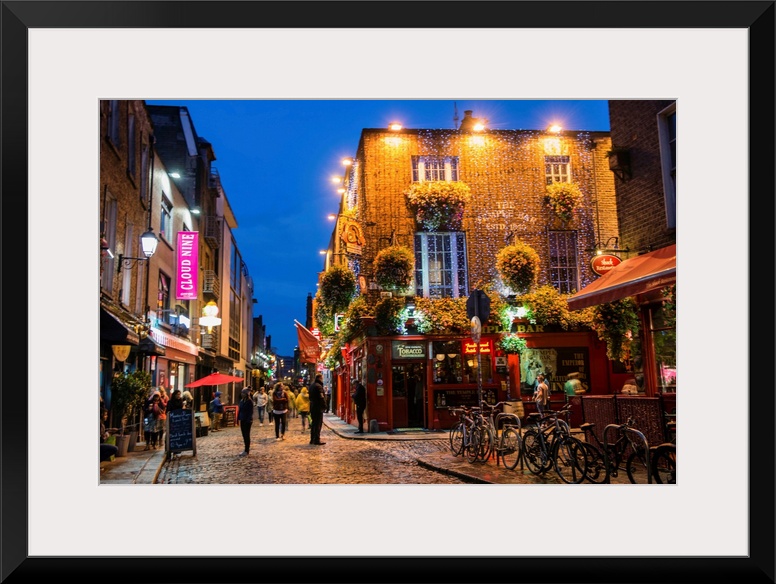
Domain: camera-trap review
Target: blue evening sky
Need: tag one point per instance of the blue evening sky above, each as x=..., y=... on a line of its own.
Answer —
x=276, y=159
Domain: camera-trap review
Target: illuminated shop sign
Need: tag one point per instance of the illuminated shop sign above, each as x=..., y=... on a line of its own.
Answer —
x=403, y=350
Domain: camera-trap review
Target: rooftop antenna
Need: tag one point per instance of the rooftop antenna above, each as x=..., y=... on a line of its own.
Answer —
x=455, y=116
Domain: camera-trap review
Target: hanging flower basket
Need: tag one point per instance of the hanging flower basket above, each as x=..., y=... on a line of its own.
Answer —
x=393, y=267
x=512, y=345
x=562, y=199
x=518, y=266
x=439, y=205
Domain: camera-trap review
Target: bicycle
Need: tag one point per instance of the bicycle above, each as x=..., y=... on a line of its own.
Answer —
x=508, y=445
x=605, y=459
x=548, y=443
x=664, y=458
x=462, y=434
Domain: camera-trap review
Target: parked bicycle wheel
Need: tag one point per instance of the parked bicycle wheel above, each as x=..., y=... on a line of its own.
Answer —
x=487, y=441
x=472, y=449
x=456, y=439
x=568, y=457
x=636, y=468
x=533, y=453
x=597, y=471
x=664, y=464
x=511, y=448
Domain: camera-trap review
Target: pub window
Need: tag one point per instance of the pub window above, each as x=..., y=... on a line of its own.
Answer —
x=113, y=122
x=564, y=272
x=163, y=300
x=667, y=134
x=131, y=145
x=448, y=365
x=434, y=168
x=440, y=265
x=663, y=328
x=165, y=220
x=557, y=169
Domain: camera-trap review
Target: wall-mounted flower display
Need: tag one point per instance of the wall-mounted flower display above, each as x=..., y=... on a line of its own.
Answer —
x=518, y=266
x=439, y=205
x=562, y=198
x=393, y=267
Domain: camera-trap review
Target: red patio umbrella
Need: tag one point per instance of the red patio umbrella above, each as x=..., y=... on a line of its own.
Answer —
x=215, y=379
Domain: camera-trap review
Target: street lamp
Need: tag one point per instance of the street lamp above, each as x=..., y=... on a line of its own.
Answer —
x=148, y=242
x=210, y=316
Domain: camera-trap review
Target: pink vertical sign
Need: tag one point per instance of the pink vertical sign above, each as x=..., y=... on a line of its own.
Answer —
x=187, y=265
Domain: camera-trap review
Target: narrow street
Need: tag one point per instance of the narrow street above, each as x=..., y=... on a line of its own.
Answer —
x=295, y=461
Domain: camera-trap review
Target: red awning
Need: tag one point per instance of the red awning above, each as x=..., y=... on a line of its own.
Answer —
x=633, y=276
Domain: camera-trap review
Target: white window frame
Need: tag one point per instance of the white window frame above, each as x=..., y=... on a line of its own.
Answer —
x=457, y=287
x=165, y=218
x=668, y=162
x=429, y=169
x=556, y=171
x=572, y=239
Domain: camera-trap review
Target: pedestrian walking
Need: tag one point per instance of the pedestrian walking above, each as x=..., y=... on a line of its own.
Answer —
x=218, y=412
x=327, y=394
x=270, y=407
x=161, y=419
x=542, y=394
x=188, y=400
x=176, y=401
x=359, y=397
x=317, y=405
x=279, y=410
x=106, y=450
x=573, y=385
x=261, y=404
x=292, y=413
x=303, y=406
x=245, y=419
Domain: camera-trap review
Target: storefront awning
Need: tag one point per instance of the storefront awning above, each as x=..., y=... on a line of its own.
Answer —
x=151, y=347
x=113, y=330
x=634, y=276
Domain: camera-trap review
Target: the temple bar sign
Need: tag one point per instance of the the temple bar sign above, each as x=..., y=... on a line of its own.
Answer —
x=402, y=350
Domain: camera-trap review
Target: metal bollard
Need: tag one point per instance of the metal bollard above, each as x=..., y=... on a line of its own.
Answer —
x=374, y=427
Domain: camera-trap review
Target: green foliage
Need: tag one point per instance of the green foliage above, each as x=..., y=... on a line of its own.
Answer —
x=617, y=324
x=562, y=198
x=439, y=205
x=441, y=315
x=512, y=344
x=393, y=267
x=353, y=323
x=324, y=316
x=337, y=289
x=388, y=316
x=548, y=307
x=128, y=392
x=518, y=266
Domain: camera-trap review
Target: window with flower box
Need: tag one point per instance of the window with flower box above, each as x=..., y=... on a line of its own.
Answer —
x=557, y=169
x=440, y=265
x=434, y=168
x=564, y=270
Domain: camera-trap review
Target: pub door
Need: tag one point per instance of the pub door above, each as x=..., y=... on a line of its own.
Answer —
x=408, y=389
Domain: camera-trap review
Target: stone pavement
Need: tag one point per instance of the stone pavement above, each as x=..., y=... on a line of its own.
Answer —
x=144, y=466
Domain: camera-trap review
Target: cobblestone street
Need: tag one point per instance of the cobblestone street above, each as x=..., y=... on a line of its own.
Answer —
x=295, y=461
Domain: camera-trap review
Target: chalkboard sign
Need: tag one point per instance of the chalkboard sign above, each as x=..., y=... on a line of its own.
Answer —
x=180, y=431
x=230, y=416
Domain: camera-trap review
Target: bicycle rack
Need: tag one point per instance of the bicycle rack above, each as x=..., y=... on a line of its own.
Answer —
x=637, y=433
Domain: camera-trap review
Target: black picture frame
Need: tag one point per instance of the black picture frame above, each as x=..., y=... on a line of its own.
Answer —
x=758, y=566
